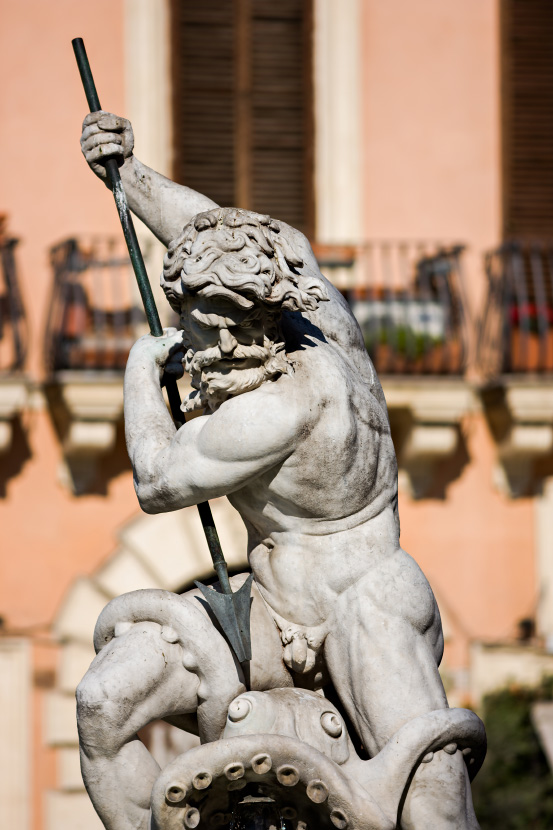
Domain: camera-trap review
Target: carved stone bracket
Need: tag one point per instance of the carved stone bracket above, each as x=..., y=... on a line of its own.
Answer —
x=520, y=415
x=13, y=397
x=425, y=415
x=86, y=409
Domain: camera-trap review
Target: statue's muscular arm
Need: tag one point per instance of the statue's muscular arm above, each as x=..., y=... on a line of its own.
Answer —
x=211, y=455
x=165, y=207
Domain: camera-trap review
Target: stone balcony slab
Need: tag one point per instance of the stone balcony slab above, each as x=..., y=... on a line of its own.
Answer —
x=519, y=410
x=425, y=414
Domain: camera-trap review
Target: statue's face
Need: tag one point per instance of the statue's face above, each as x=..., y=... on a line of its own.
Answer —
x=219, y=325
x=229, y=350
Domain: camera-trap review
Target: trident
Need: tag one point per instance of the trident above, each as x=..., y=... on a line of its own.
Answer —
x=232, y=610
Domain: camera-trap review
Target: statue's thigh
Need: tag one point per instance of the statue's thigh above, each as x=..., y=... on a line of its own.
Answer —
x=383, y=650
x=267, y=668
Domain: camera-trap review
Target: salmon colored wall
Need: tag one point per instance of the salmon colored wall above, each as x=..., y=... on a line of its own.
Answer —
x=476, y=548
x=431, y=170
x=44, y=766
x=47, y=190
x=48, y=536
x=431, y=146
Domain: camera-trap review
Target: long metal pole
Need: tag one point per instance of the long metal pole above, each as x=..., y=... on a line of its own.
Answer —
x=152, y=315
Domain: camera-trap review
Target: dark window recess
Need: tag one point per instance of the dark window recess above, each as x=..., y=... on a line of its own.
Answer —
x=242, y=104
x=527, y=116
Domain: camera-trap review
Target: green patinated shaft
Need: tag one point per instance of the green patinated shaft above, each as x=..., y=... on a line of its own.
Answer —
x=116, y=185
x=145, y=289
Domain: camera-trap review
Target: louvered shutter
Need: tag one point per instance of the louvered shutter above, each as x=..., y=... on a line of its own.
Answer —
x=203, y=97
x=242, y=104
x=527, y=116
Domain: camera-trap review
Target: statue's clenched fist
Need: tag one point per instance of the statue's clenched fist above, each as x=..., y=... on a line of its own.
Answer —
x=106, y=136
x=165, y=352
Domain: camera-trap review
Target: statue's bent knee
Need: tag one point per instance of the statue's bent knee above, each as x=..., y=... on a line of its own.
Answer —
x=189, y=665
x=99, y=718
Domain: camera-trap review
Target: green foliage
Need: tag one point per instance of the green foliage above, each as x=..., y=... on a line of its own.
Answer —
x=514, y=789
x=402, y=340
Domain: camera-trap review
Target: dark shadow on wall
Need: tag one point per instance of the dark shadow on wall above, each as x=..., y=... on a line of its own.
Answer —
x=13, y=461
x=87, y=473
x=429, y=478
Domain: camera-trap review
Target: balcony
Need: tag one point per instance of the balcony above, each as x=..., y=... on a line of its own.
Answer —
x=13, y=341
x=95, y=316
x=95, y=312
x=515, y=360
x=516, y=331
x=409, y=300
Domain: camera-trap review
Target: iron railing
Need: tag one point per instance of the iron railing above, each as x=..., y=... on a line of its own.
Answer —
x=95, y=311
x=13, y=322
x=516, y=328
x=408, y=298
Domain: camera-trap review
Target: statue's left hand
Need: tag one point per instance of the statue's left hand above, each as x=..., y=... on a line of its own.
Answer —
x=166, y=352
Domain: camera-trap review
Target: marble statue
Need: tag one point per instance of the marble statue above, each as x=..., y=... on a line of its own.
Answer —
x=345, y=722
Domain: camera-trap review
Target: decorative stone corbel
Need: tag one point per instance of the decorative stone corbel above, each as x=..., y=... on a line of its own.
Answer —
x=13, y=397
x=86, y=409
x=425, y=415
x=520, y=415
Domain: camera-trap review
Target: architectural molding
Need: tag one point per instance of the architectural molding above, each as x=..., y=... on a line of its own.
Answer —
x=71, y=809
x=425, y=414
x=337, y=79
x=494, y=665
x=15, y=728
x=543, y=508
x=86, y=408
x=520, y=415
x=148, y=79
x=148, y=103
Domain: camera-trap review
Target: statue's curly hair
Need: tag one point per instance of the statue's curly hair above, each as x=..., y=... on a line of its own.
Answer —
x=240, y=255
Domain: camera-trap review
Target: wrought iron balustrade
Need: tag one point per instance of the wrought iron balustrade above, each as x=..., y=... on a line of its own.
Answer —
x=13, y=322
x=516, y=328
x=408, y=298
x=95, y=312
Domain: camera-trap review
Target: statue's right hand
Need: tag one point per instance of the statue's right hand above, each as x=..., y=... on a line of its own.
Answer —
x=106, y=136
x=165, y=352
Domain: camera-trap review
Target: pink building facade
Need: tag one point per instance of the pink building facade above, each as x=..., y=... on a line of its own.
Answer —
x=403, y=158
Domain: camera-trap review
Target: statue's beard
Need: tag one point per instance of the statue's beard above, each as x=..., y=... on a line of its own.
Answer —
x=216, y=377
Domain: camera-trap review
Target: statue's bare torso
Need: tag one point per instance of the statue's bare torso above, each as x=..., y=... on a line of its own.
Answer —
x=320, y=519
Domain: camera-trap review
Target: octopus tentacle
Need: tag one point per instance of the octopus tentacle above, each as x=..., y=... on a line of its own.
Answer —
x=205, y=652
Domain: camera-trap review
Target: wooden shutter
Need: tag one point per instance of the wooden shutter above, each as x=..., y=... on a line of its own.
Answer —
x=203, y=96
x=242, y=104
x=527, y=116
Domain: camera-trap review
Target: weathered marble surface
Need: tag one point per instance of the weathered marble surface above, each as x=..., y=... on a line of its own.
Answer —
x=295, y=432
